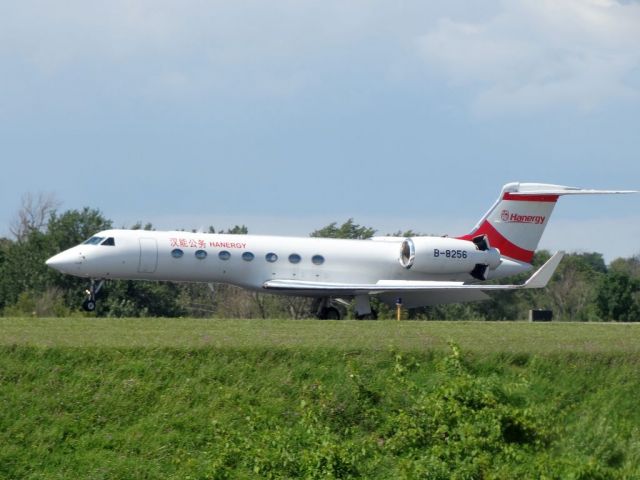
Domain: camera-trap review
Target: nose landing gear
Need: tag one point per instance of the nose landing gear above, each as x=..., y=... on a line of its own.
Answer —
x=89, y=305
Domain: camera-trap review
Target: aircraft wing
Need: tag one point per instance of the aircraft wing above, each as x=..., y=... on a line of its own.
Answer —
x=431, y=291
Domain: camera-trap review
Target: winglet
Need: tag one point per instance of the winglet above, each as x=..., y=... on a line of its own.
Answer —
x=542, y=276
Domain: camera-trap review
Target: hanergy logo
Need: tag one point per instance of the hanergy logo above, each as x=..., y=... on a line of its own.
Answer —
x=509, y=217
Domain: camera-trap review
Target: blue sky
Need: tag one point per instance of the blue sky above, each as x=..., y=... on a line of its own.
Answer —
x=287, y=115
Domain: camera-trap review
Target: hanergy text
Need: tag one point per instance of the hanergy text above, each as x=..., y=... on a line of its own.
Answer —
x=517, y=218
x=188, y=242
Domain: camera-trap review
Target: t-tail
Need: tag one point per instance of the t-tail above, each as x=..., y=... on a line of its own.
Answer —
x=516, y=221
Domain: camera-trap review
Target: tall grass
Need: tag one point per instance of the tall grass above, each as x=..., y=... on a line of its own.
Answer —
x=302, y=407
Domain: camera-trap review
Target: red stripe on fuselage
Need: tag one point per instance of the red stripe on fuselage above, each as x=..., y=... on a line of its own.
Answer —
x=497, y=240
x=530, y=198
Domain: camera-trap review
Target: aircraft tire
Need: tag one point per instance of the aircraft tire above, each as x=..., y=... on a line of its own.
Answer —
x=89, y=305
x=331, y=313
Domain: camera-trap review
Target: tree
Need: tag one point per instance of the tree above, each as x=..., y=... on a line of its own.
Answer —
x=23, y=267
x=348, y=229
x=593, y=260
x=128, y=298
x=405, y=234
x=139, y=226
x=572, y=289
x=75, y=226
x=618, y=299
x=630, y=266
x=198, y=299
x=238, y=230
x=235, y=230
x=34, y=213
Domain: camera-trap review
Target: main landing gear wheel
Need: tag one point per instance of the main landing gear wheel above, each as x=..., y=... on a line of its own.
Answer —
x=331, y=313
x=89, y=305
x=328, y=309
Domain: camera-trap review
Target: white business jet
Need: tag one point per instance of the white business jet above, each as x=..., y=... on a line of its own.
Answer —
x=416, y=271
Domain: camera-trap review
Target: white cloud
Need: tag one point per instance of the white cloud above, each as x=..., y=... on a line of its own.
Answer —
x=536, y=54
x=180, y=40
x=518, y=55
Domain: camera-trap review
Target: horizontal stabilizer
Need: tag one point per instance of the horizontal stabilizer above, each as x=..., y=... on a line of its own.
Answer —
x=547, y=189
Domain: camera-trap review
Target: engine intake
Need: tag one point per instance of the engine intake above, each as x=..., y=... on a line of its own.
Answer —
x=407, y=253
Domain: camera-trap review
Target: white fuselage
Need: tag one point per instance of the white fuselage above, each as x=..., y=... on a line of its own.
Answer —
x=414, y=271
x=151, y=255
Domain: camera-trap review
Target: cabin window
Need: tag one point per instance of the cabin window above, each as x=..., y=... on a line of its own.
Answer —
x=271, y=257
x=201, y=254
x=177, y=253
x=109, y=242
x=248, y=256
x=317, y=259
x=94, y=241
x=224, y=255
x=295, y=258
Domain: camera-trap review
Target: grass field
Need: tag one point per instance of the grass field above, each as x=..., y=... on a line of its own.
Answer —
x=185, y=398
x=476, y=337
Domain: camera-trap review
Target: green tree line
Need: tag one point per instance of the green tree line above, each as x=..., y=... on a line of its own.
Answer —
x=584, y=288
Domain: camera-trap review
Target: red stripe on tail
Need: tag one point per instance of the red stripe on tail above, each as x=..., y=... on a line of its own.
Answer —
x=530, y=198
x=496, y=240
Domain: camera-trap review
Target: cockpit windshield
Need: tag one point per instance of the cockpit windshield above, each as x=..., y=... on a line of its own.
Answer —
x=94, y=241
x=109, y=242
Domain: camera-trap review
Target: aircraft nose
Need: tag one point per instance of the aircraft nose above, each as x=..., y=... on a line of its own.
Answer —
x=65, y=262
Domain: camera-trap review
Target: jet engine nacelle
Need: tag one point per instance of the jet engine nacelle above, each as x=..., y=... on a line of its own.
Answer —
x=448, y=255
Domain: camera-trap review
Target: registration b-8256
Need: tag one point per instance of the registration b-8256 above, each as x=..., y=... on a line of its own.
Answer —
x=449, y=253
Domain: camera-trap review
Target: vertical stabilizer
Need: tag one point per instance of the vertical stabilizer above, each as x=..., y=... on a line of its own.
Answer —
x=516, y=221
